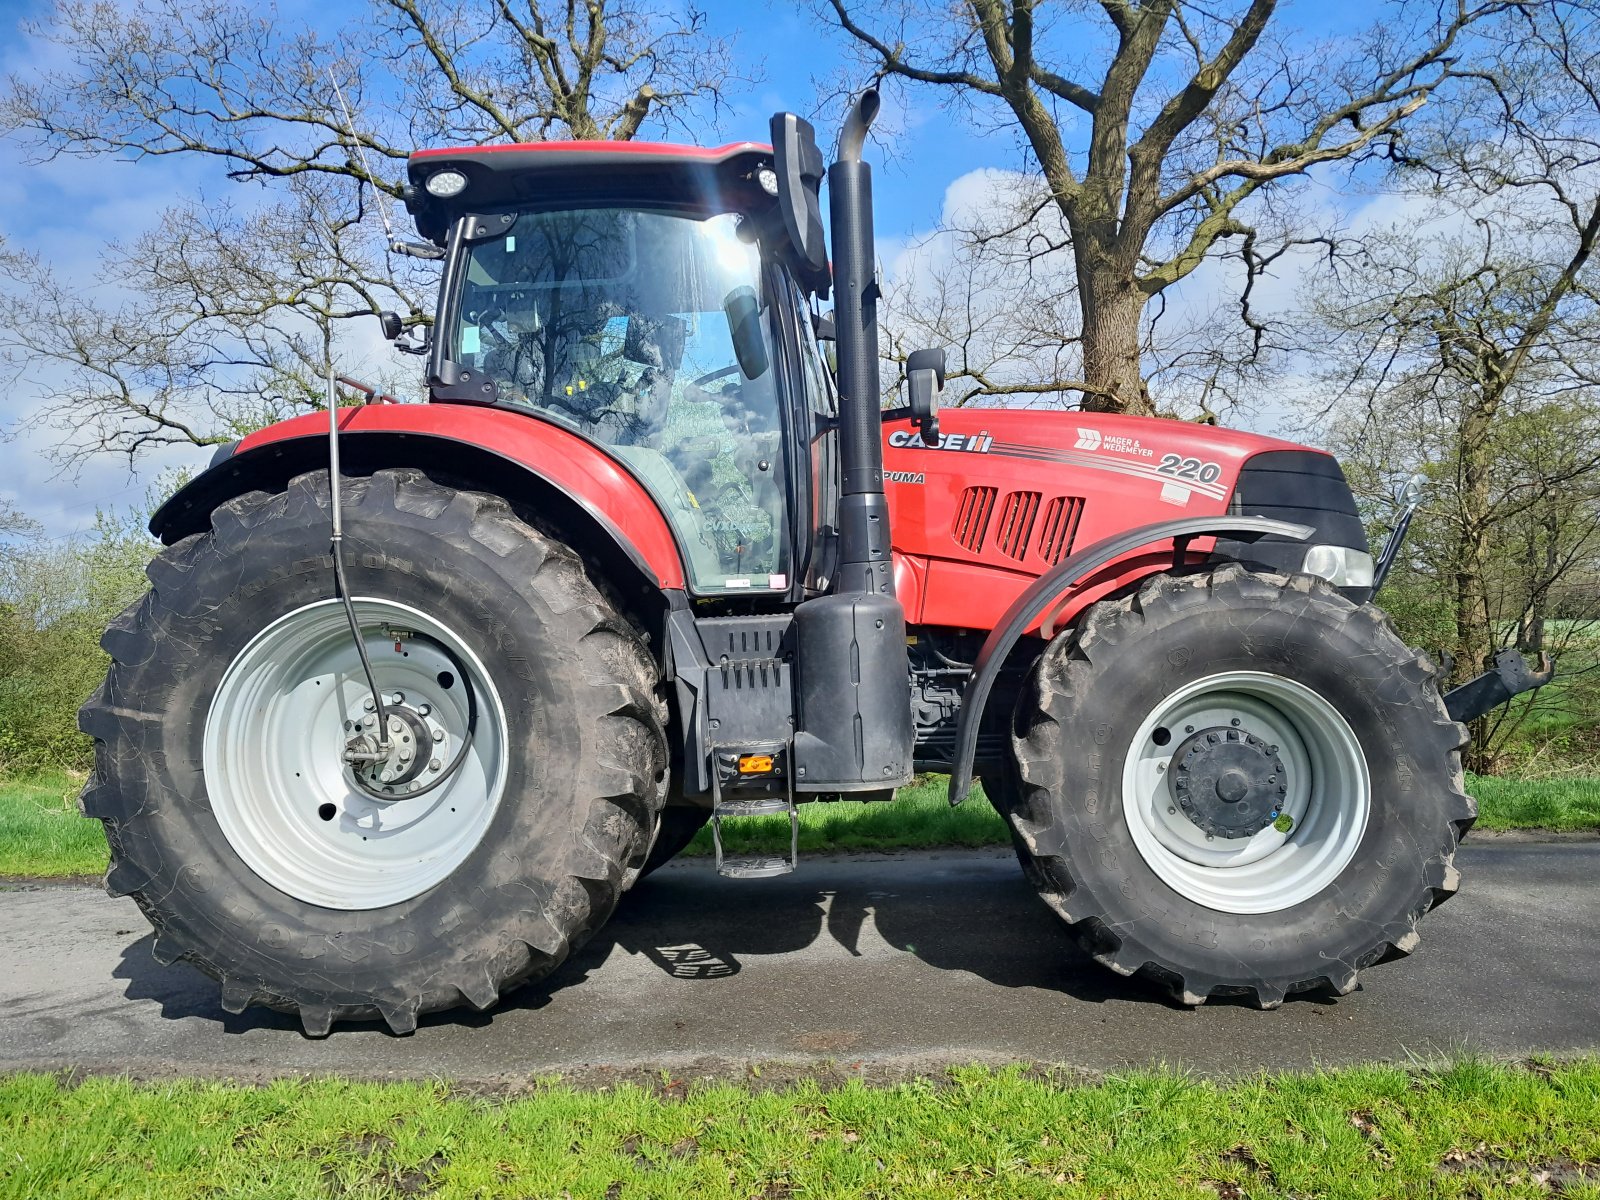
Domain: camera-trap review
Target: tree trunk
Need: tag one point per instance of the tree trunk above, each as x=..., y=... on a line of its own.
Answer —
x=1474, y=634
x=1112, y=307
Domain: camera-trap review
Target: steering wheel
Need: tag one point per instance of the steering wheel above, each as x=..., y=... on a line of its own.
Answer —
x=713, y=376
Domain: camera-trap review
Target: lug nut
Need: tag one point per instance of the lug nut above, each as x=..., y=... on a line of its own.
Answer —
x=369, y=704
x=435, y=765
x=1234, y=722
x=424, y=709
x=399, y=698
x=435, y=731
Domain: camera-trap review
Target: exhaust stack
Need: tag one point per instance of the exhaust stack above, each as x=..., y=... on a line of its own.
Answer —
x=864, y=564
x=854, y=732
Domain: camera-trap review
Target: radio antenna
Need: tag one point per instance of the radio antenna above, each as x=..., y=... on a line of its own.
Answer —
x=361, y=150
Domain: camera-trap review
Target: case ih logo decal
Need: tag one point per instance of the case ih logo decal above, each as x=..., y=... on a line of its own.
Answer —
x=972, y=443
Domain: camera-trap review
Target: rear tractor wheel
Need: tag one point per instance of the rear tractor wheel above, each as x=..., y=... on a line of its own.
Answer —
x=1238, y=784
x=250, y=813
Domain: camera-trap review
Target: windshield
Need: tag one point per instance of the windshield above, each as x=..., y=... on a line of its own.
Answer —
x=646, y=332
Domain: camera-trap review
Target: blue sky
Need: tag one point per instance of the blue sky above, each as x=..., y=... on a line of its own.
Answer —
x=69, y=209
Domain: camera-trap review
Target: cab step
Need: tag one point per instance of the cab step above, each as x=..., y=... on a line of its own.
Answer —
x=755, y=866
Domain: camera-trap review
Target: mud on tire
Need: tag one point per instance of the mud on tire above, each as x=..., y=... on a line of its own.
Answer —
x=584, y=760
x=1082, y=707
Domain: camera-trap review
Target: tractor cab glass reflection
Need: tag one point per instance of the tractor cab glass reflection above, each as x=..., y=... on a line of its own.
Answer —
x=645, y=331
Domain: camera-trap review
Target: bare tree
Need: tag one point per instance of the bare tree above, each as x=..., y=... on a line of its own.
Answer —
x=1158, y=142
x=1483, y=339
x=226, y=315
x=14, y=523
x=996, y=284
x=218, y=322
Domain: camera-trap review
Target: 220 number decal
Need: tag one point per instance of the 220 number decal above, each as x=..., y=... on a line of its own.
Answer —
x=1189, y=468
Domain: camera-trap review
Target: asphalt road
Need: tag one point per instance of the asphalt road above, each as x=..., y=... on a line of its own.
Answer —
x=877, y=964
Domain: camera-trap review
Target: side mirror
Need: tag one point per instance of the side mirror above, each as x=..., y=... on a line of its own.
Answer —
x=924, y=382
x=799, y=169
x=391, y=325
x=1409, y=495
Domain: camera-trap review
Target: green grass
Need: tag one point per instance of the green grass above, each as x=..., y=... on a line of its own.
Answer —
x=1536, y=804
x=921, y=817
x=918, y=818
x=42, y=835
x=1469, y=1130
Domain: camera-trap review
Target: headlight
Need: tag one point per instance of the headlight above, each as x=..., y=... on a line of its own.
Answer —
x=1339, y=565
x=445, y=184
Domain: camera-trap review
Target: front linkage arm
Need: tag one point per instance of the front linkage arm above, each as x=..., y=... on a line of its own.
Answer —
x=1509, y=677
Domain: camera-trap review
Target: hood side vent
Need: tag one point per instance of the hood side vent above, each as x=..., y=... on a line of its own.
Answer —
x=972, y=518
x=1016, y=523
x=1060, y=527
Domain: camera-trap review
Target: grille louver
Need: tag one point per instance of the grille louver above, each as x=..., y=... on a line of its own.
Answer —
x=972, y=518
x=1016, y=523
x=1059, y=527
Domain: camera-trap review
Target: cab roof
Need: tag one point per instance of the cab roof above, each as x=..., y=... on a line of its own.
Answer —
x=717, y=179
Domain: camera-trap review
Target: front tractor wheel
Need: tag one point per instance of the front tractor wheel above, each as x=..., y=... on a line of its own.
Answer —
x=1237, y=784
x=250, y=811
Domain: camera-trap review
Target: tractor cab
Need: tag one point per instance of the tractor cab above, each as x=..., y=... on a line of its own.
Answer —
x=649, y=299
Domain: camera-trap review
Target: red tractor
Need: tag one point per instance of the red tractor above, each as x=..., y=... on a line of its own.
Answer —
x=414, y=699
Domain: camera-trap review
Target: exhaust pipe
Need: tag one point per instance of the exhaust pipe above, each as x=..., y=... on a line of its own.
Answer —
x=854, y=732
x=864, y=564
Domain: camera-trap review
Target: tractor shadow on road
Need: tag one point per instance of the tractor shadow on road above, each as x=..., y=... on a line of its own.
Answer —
x=699, y=929
x=182, y=991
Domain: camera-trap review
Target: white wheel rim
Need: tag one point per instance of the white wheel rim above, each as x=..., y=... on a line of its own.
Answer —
x=1329, y=797
x=274, y=743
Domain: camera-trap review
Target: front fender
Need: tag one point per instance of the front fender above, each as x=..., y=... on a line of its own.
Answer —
x=1046, y=593
x=526, y=460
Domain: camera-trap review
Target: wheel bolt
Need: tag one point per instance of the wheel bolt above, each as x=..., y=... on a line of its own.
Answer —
x=1161, y=766
x=1234, y=722
x=399, y=698
x=1210, y=838
x=435, y=765
x=1171, y=811
x=1188, y=728
x=424, y=709
x=436, y=731
x=369, y=704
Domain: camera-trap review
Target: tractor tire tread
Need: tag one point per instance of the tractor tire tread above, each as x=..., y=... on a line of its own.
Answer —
x=1066, y=664
x=621, y=703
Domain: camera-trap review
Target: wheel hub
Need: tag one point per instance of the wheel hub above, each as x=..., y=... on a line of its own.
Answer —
x=1228, y=782
x=410, y=750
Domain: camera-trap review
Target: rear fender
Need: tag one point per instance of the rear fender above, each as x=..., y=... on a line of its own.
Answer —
x=1054, y=593
x=557, y=479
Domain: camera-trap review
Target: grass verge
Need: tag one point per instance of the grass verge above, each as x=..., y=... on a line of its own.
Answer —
x=42, y=835
x=41, y=832
x=920, y=817
x=1472, y=1129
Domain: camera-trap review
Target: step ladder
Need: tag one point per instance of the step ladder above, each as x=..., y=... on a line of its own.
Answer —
x=736, y=807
